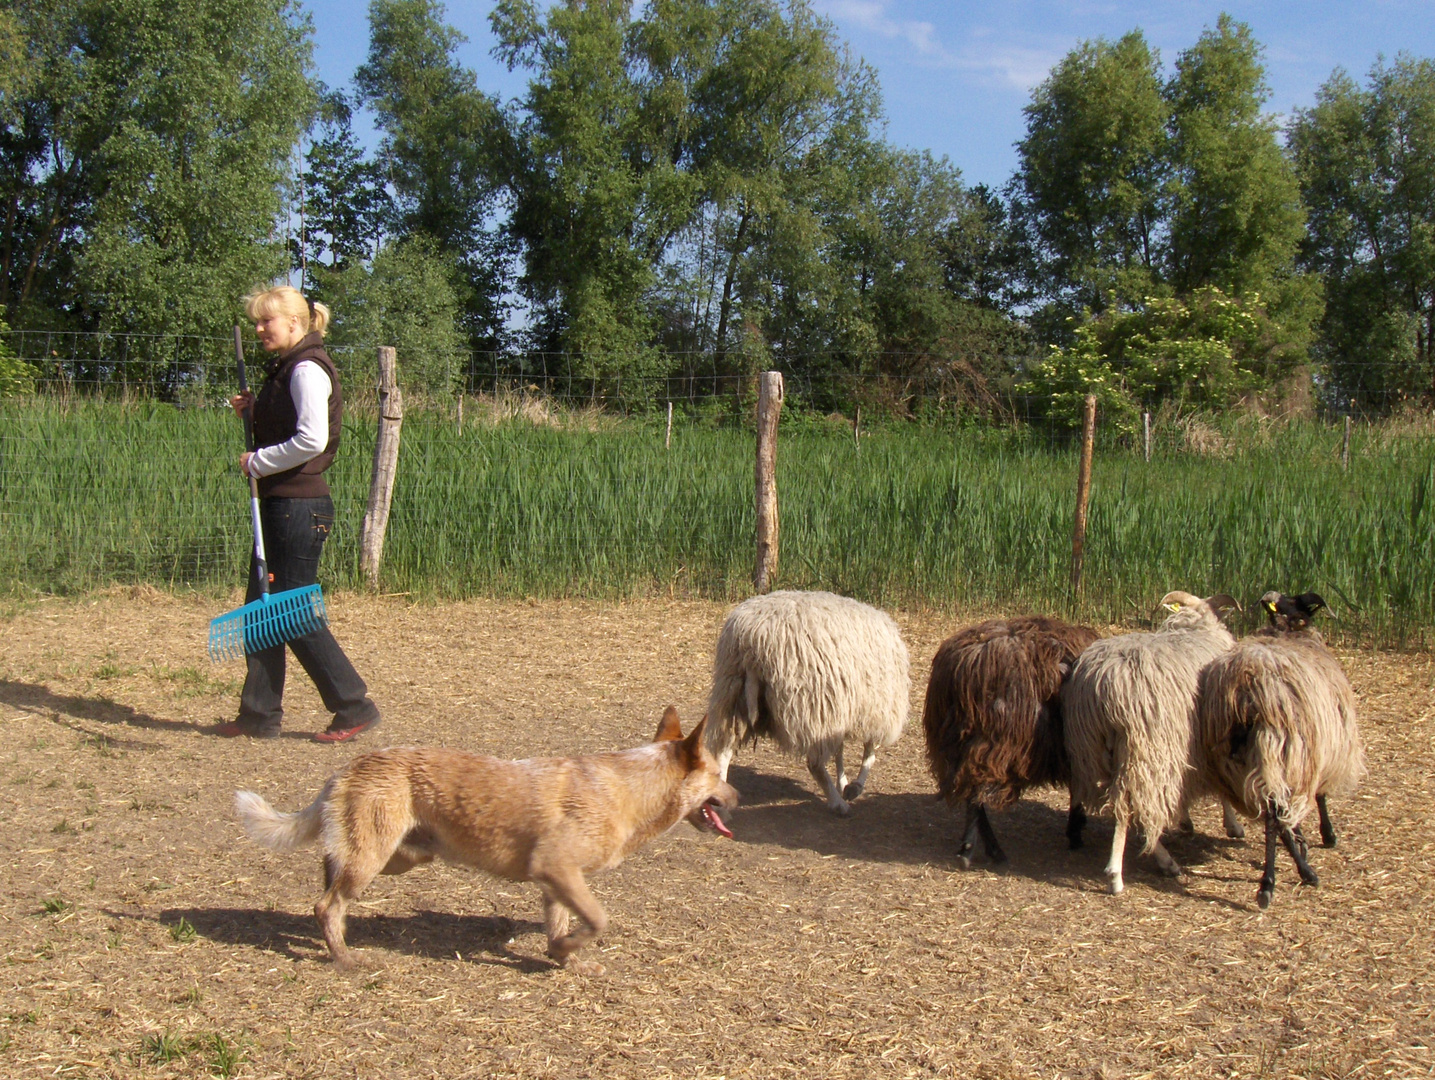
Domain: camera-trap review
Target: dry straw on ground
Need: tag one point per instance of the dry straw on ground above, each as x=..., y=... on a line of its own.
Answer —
x=144, y=936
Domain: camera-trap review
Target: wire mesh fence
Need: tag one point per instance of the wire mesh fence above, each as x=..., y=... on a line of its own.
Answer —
x=196, y=370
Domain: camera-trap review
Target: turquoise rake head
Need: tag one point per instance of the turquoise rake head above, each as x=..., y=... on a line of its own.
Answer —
x=269, y=621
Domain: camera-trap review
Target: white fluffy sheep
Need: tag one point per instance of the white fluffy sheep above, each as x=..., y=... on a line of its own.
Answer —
x=810, y=670
x=1277, y=733
x=1129, y=709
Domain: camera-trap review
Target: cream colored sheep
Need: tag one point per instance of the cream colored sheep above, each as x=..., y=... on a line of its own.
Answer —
x=810, y=670
x=1277, y=733
x=1129, y=709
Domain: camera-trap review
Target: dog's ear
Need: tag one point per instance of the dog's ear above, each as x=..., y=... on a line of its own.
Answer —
x=693, y=744
x=669, y=728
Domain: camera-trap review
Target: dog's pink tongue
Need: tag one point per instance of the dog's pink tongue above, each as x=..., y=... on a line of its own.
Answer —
x=716, y=821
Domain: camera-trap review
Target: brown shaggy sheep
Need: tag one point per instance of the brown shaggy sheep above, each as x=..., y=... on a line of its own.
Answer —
x=993, y=719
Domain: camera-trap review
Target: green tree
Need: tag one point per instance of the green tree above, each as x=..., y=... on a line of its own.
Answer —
x=441, y=139
x=1236, y=219
x=409, y=297
x=346, y=207
x=1203, y=350
x=1366, y=162
x=144, y=162
x=16, y=376
x=1090, y=187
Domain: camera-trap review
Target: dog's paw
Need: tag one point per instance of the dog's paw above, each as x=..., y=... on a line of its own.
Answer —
x=584, y=967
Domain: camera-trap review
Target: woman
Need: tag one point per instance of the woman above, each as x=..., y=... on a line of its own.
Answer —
x=296, y=416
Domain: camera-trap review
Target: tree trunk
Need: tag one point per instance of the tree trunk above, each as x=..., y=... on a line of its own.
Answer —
x=725, y=307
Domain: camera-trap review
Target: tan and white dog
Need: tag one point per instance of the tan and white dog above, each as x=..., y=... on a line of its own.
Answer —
x=546, y=820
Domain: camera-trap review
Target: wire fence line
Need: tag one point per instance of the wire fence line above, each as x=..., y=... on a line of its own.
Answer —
x=195, y=370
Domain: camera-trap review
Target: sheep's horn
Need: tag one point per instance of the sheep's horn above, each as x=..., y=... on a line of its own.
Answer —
x=1222, y=602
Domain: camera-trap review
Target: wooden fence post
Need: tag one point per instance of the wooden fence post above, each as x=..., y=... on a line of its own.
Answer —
x=857, y=428
x=769, y=407
x=386, y=461
x=1083, y=492
x=1345, y=443
x=1146, y=425
x=668, y=438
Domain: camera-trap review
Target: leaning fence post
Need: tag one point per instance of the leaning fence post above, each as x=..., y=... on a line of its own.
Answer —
x=1083, y=491
x=769, y=406
x=386, y=461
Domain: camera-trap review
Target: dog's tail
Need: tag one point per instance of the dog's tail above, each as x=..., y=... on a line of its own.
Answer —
x=280, y=832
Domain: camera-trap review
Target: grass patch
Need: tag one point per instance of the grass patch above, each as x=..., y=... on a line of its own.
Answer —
x=920, y=514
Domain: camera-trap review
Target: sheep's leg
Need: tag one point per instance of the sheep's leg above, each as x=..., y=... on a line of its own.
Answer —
x=839, y=769
x=817, y=766
x=989, y=836
x=1169, y=866
x=1327, y=830
x=869, y=758
x=1185, y=824
x=1075, y=823
x=1296, y=847
x=1268, y=874
x=724, y=759
x=969, y=836
x=1235, y=827
x=1114, y=884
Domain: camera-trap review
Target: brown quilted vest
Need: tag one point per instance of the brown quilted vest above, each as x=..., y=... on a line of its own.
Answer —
x=276, y=421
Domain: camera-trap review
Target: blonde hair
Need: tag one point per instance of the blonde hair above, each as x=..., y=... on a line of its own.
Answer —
x=287, y=300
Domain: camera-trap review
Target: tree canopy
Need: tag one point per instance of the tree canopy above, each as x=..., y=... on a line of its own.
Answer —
x=705, y=187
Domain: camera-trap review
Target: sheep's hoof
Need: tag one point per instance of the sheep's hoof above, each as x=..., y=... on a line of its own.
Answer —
x=852, y=791
x=1263, y=898
x=1328, y=839
x=965, y=860
x=1173, y=871
x=584, y=967
x=841, y=809
x=1187, y=827
x=1309, y=877
x=1237, y=831
x=1114, y=884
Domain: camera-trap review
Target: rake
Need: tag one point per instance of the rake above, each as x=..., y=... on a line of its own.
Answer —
x=274, y=618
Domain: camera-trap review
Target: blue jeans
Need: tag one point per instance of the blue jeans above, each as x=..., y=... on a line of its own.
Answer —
x=294, y=535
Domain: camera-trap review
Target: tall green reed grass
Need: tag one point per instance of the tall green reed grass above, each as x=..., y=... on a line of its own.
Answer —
x=94, y=494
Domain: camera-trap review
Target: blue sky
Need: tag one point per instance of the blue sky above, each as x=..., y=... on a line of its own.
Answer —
x=955, y=74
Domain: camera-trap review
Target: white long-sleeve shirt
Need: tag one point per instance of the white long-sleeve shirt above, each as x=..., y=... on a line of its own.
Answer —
x=309, y=387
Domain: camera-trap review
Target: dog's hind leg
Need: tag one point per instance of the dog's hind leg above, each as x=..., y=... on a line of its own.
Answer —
x=869, y=758
x=817, y=766
x=564, y=888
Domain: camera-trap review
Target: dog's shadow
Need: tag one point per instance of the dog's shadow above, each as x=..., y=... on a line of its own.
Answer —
x=436, y=935
x=917, y=828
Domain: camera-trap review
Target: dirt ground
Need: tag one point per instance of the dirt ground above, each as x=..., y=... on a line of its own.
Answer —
x=143, y=935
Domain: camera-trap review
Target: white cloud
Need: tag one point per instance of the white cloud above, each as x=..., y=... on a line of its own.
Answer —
x=1007, y=66
x=872, y=16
